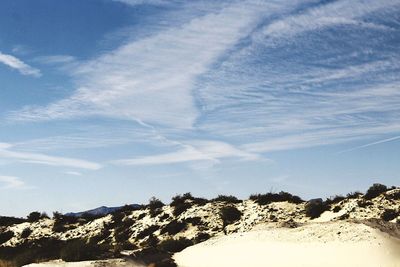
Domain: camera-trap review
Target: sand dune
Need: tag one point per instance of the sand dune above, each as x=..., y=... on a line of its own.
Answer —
x=315, y=244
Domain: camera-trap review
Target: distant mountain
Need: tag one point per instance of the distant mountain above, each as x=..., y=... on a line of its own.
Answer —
x=103, y=210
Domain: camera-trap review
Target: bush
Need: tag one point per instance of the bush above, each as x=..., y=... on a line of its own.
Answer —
x=334, y=199
x=194, y=221
x=173, y=227
x=265, y=199
x=394, y=196
x=26, y=232
x=148, y=231
x=79, y=250
x=63, y=222
x=230, y=214
x=8, y=221
x=389, y=214
x=201, y=237
x=375, y=190
x=315, y=207
x=175, y=245
x=155, y=203
x=353, y=195
x=34, y=216
x=5, y=236
x=226, y=199
x=181, y=208
x=337, y=209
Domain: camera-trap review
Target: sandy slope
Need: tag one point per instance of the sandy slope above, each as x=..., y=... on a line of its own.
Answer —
x=315, y=244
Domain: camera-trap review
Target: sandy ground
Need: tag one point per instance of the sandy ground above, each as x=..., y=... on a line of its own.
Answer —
x=316, y=244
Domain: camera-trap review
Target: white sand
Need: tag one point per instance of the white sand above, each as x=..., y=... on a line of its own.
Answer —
x=317, y=244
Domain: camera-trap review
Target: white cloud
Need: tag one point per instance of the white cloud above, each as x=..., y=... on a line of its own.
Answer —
x=336, y=13
x=6, y=152
x=198, y=150
x=17, y=64
x=8, y=182
x=371, y=144
x=151, y=79
x=56, y=59
x=144, y=2
x=74, y=173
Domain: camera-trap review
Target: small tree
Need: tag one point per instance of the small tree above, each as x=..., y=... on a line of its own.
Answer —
x=34, y=216
x=375, y=190
x=230, y=214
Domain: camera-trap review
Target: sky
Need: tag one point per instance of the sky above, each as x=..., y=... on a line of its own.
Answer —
x=108, y=102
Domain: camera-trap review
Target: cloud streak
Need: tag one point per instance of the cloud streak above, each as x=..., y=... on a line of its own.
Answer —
x=202, y=150
x=19, y=65
x=11, y=182
x=6, y=152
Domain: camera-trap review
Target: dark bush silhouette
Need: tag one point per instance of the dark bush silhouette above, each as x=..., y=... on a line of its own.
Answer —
x=265, y=199
x=389, y=214
x=63, y=223
x=175, y=245
x=79, y=250
x=227, y=199
x=173, y=227
x=394, y=196
x=155, y=206
x=164, y=217
x=201, y=237
x=26, y=232
x=8, y=221
x=5, y=236
x=194, y=221
x=230, y=214
x=155, y=203
x=151, y=242
x=88, y=217
x=334, y=199
x=181, y=208
x=181, y=203
x=148, y=231
x=375, y=190
x=34, y=216
x=315, y=207
x=337, y=209
x=353, y=195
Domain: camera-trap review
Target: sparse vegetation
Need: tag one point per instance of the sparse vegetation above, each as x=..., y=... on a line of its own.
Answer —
x=26, y=233
x=314, y=208
x=389, y=214
x=5, y=236
x=375, y=190
x=265, y=199
x=227, y=199
x=230, y=214
x=8, y=221
x=173, y=227
x=148, y=231
x=155, y=206
x=175, y=245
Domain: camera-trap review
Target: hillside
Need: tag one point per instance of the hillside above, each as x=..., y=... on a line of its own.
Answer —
x=153, y=233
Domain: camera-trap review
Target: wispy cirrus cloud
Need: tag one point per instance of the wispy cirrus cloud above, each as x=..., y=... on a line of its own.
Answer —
x=11, y=182
x=7, y=152
x=152, y=79
x=19, y=65
x=264, y=75
x=195, y=150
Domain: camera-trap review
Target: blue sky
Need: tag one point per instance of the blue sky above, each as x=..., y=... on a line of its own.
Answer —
x=108, y=102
